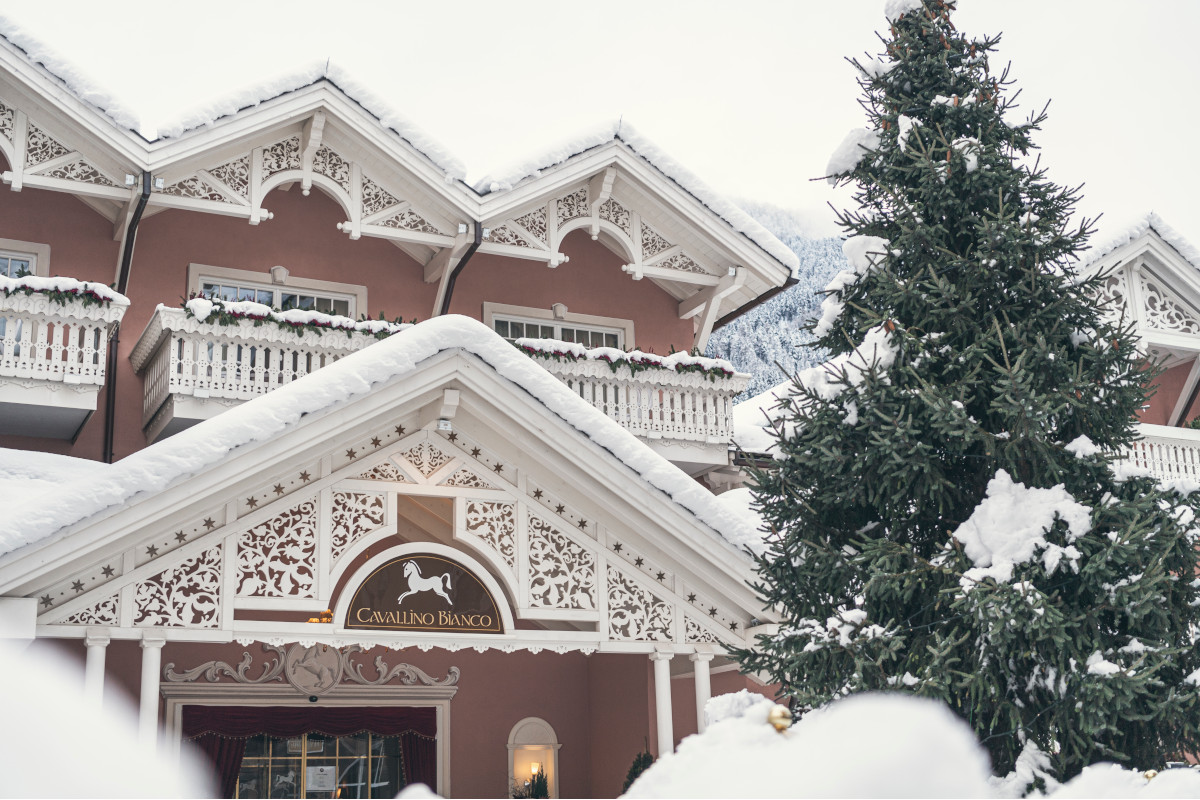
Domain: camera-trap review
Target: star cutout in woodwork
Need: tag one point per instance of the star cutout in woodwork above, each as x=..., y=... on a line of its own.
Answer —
x=47, y=601
x=376, y=441
x=350, y=454
x=152, y=551
x=107, y=572
x=637, y=562
x=252, y=502
x=181, y=537
x=400, y=430
x=618, y=547
x=77, y=586
x=537, y=494
x=733, y=626
x=475, y=451
x=583, y=523
x=209, y=524
x=304, y=476
x=712, y=612
x=499, y=467
x=453, y=436
x=661, y=576
x=278, y=489
x=560, y=508
x=691, y=598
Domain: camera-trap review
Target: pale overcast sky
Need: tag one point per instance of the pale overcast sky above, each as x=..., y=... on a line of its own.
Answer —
x=751, y=95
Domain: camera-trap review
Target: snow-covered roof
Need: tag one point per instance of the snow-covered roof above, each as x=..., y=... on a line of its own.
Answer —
x=83, y=87
x=31, y=485
x=1150, y=222
x=533, y=166
x=80, y=84
x=63, y=71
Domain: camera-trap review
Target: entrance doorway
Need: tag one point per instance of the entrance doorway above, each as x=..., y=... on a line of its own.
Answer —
x=319, y=765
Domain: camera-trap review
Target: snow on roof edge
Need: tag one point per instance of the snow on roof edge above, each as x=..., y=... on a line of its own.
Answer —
x=65, y=72
x=1152, y=221
x=621, y=131
x=293, y=80
x=165, y=463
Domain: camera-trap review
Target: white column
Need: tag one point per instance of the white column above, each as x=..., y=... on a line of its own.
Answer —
x=93, y=672
x=662, y=702
x=152, y=644
x=703, y=686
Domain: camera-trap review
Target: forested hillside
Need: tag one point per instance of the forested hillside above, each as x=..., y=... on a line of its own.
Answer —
x=768, y=342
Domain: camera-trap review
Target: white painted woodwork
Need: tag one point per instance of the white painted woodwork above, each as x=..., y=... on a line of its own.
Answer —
x=1168, y=453
x=152, y=645
x=662, y=702
x=702, y=662
x=53, y=359
x=659, y=406
x=93, y=671
x=223, y=365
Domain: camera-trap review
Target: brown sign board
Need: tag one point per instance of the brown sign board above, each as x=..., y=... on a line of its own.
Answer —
x=427, y=593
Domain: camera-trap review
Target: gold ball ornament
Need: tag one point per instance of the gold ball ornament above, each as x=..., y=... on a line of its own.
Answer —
x=1151, y=774
x=780, y=718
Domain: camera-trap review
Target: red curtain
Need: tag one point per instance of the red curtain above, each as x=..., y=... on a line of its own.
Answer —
x=226, y=757
x=221, y=732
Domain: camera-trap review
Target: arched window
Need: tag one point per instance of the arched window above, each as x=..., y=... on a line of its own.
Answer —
x=533, y=746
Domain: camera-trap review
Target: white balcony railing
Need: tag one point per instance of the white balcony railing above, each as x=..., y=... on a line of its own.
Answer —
x=686, y=415
x=193, y=370
x=1167, y=452
x=53, y=358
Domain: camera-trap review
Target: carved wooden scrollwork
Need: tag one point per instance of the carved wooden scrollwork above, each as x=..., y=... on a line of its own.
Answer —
x=310, y=669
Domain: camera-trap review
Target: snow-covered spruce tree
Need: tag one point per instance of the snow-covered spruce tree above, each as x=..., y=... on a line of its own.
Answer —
x=945, y=517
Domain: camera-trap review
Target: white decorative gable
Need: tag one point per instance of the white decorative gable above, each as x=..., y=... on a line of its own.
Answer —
x=288, y=542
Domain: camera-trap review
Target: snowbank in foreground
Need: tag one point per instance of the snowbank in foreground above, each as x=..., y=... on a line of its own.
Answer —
x=868, y=745
x=882, y=745
x=43, y=705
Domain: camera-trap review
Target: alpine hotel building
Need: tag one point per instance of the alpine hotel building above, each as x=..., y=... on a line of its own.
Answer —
x=339, y=556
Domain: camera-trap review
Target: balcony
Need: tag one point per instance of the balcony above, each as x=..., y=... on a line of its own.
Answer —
x=194, y=369
x=1167, y=452
x=685, y=416
x=53, y=353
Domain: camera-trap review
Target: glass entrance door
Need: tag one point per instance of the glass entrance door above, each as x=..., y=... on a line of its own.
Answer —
x=317, y=765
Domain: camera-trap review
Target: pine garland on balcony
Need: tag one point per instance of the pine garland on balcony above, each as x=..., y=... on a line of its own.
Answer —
x=61, y=291
x=299, y=321
x=634, y=360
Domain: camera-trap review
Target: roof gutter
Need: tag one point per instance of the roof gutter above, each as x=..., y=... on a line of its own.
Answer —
x=110, y=385
x=458, y=268
x=755, y=303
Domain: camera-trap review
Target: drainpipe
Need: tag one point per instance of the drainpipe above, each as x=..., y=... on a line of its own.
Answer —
x=462, y=262
x=110, y=386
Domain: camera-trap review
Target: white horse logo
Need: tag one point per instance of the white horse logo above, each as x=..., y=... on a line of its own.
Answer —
x=416, y=583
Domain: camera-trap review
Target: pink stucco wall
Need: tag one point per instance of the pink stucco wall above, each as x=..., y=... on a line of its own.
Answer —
x=303, y=237
x=590, y=283
x=1166, y=395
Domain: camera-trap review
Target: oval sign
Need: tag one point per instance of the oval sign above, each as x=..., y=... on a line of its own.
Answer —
x=427, y=593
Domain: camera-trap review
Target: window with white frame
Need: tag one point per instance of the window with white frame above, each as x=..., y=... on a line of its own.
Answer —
x=15, y=264
x=512, y=328
x=281, y=297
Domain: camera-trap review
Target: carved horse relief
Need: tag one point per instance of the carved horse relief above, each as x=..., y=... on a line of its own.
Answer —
x=438, y=584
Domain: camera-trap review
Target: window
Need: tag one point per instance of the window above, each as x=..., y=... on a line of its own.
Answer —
x=24, y=258
x=13, y=265
x=278, y=289
x=516, y=322
x=283, y=298
x=532, y=329
x=316, y=765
